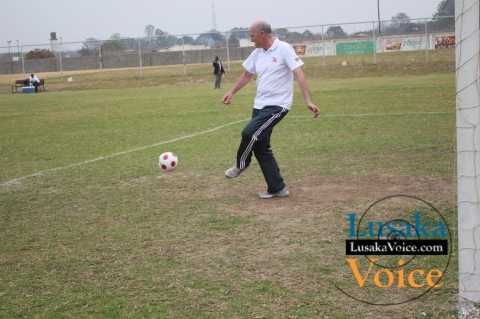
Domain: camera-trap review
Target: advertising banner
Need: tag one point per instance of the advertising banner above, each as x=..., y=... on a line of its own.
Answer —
x=321, y=48
x=299, y=49
x=356, y=47
x=444, y=41
x=404, y=44
x=414, y=43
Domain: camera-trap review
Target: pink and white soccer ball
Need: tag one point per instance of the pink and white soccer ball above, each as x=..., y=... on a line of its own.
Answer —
x=167, y=161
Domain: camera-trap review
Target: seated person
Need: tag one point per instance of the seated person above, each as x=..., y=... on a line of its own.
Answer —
x=34, y=81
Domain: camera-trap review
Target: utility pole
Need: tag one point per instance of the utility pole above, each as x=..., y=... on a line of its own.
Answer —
x=379, y=20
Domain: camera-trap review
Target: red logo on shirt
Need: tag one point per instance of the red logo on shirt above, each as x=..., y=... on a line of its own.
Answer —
x=274, y=60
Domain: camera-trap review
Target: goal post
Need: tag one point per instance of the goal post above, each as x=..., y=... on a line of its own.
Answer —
x=467, y=20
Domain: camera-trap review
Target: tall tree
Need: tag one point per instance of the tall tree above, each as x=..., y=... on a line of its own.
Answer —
x=213, y=39
x=163, y=39
x=335, y=31
x=307, y=35
x=91, y=43
x=240, y=33
x=400, y=18
x=401, y=24
x=294, y=37
x=186, y=40
x=89, y=46
x=445, y=8
x=114, y=43
x=149, y=32
x=281, y=33
x=159, y=32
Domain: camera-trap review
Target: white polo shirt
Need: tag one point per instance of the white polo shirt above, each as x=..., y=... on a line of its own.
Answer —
x=274, y=69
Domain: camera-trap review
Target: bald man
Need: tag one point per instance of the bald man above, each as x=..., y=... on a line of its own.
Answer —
x=275, y=64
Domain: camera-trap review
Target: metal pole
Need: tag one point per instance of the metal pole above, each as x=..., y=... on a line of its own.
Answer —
x=100, y=56
x=228, y=52
x=53, y=46
x=427, y=44
x=323, y=46
x=18, y=50
x=10, y=55
x=379, y=21
x=23, y=60
x=183, y=56
x=60, y=55
x=140, y=61
x=374, y=45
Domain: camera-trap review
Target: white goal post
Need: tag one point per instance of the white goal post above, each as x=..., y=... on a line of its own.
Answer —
x=467, y=21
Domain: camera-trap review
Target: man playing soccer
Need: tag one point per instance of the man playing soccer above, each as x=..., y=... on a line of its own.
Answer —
x=275, y=64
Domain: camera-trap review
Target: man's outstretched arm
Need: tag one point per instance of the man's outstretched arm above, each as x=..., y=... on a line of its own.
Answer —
x=299, y=75
x=242, y=81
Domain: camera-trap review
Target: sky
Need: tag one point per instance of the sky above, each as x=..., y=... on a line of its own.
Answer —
x=32, y=22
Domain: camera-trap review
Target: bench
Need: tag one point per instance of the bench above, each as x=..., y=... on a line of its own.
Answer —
x=26, y=82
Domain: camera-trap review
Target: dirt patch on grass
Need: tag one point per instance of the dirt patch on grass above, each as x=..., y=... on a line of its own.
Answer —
x=312, y=220
x=320, y=193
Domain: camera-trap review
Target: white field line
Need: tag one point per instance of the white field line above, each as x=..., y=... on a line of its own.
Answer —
x=184, y=137
x=371, y=114
x=101, y=158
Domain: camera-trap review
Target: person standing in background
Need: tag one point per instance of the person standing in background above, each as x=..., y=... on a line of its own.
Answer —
x=218, y=72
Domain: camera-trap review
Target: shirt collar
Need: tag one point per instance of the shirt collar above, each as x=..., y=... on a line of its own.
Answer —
x=274, y=45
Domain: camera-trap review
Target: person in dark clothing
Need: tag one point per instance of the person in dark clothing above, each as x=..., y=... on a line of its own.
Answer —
x=218, y=72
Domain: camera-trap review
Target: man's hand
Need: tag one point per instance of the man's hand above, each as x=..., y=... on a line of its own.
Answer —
x=242, y=81
x=314, y=109
x=298, y=72
x=227, y=98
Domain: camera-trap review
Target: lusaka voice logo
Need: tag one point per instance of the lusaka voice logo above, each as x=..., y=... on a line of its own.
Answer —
x=397, y=251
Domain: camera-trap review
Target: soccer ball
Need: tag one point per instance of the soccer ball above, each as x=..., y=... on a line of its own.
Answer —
x=167, y=161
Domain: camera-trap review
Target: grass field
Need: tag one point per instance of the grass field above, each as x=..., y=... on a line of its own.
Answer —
x=115, y=237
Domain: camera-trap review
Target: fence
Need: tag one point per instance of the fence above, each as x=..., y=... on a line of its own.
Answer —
x=365, y=39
